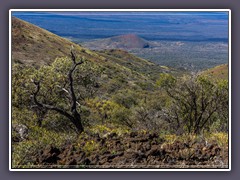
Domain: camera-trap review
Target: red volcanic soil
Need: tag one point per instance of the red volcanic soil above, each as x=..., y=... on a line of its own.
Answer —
x=129, y=41
x=125, y=42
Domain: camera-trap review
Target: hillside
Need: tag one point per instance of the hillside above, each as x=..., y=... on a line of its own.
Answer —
x=126, y=42
x=218, y=72
x=135, y=63
x=35, y=46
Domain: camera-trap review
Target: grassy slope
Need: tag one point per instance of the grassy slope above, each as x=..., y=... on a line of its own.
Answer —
x=35, y=46
x=134, y=63
x=218, y=72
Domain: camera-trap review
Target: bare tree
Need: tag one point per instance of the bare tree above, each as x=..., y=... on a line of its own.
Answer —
x=74, y=116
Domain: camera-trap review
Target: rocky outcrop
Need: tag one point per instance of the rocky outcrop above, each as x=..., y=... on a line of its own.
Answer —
x=135, y=150
x=20, y=132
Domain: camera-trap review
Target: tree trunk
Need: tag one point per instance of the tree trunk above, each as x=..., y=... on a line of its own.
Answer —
x=74, y=116
x=77, y=121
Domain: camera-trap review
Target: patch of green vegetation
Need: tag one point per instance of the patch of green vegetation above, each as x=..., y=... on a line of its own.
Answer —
x=25, y=152
x=90, y=146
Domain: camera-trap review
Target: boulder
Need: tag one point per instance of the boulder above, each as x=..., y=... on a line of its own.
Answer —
x=21, y=131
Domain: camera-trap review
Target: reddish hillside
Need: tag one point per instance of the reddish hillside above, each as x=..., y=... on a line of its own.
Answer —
x=130, y=41
x=218, y=72
x=127, y=41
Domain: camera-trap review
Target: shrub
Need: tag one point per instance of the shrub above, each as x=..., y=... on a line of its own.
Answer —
x=195, y=103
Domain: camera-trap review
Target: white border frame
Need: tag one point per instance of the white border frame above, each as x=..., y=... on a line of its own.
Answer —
x=120, y=10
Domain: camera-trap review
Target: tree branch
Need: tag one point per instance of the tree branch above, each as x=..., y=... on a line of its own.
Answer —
x=47, y=106
x=71, y=89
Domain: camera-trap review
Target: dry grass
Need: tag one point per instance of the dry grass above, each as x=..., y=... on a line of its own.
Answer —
x=218, y=72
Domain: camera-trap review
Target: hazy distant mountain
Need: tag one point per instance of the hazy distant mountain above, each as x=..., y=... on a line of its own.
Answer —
x=127, y=41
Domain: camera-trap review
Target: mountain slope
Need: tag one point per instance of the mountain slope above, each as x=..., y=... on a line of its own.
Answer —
x=217, y=72
x=36, y=46
x=135, y=63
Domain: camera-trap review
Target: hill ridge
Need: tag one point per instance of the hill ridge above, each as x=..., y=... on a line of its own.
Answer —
x=36, y=46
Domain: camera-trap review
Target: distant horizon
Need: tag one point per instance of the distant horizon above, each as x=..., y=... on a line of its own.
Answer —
x=86, y=25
